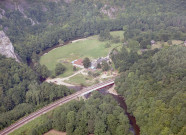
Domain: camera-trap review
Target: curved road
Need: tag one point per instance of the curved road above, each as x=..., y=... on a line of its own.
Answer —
x=52, y=106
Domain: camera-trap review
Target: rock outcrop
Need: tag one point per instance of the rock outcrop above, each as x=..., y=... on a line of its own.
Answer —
x=6, y=47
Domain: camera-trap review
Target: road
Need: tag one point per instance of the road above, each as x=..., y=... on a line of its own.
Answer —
x=54, y=105
x=60, y=81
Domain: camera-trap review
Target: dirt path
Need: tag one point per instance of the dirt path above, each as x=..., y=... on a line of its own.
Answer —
x=112, y=90
x=74, y=41
x=60, y=81
x=78, y=72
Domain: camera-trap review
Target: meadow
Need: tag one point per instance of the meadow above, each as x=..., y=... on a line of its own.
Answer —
x=89, y=47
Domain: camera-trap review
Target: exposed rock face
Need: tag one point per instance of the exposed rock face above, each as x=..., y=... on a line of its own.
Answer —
x=6, y=47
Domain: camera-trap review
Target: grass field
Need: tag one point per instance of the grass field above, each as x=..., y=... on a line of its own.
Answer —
x=80, y=79
x=160, y=44
x=90, y=47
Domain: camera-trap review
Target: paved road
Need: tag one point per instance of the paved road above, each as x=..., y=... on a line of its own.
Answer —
x=52, y=106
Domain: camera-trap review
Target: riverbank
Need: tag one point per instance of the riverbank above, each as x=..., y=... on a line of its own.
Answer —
x=121, y=101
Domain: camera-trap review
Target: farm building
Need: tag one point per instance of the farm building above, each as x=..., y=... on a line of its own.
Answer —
x=94, y=63
x=78, y=63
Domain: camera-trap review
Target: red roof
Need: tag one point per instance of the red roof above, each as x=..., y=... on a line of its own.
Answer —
x=79, y=62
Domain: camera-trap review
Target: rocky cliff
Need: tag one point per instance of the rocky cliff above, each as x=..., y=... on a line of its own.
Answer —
x=6, y=47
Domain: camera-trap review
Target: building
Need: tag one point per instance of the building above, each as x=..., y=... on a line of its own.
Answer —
x=152, y=42
x=184, y=43
x=78, y=63
x=94, y=63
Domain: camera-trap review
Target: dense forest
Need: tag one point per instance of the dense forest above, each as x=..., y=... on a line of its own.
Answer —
x=34, y=26
x=153, y=83
x=154, y=86
x=99, y=115
x=22, y=92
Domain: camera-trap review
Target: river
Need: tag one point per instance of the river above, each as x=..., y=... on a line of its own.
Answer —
x=121, y=101
x=131, y=118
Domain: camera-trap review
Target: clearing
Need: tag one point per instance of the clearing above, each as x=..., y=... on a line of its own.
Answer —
x=88, y=47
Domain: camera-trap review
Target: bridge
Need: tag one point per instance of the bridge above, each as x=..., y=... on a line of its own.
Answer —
x=54, y=105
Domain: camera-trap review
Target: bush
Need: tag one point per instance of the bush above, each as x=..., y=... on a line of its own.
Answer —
x=60, y=69
x=107, y=45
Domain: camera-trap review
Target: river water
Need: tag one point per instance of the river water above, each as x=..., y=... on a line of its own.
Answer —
x=132, y=119
x=121, y=101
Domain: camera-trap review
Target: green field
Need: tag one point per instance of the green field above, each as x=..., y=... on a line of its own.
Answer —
x=80, y=79
x=90, y=47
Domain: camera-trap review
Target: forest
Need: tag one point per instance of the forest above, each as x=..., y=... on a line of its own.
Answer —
x=153, y=83
x=141, y=20
x=20, y=87
x=99, y=115
x=154, y=87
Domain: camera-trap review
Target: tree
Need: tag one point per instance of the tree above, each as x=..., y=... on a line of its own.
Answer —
x=98, y=66
x=133, y=45
x=105, y=35
x=100, y=127
x=74, y=68
x=60, y=69
x=61, y=42
x=86, y=62
x=105, y=66
x=42, y=71
x=86, y=34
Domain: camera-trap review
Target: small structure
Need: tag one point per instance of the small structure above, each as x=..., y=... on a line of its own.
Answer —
x=125, y=43
x=152, y=42
x=184, y=43
x=94, y=64
x=100, y=60
x=144, y=50
x=78, y=63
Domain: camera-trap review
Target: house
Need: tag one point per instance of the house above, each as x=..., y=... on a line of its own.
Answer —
x=144, y=50
x=100, y=60
x=78, y=63
x=94, y=64
x=184, y=43
x=152, y=42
